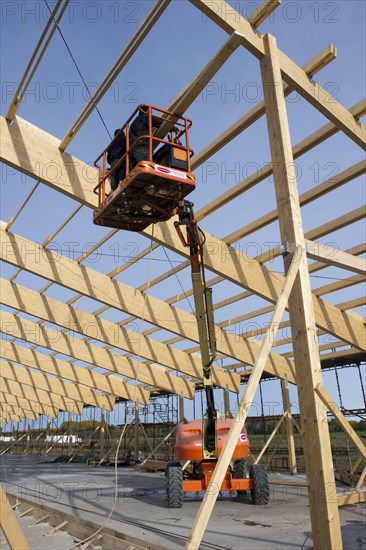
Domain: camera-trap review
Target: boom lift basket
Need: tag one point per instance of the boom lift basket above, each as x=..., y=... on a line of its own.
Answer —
x=153, y=187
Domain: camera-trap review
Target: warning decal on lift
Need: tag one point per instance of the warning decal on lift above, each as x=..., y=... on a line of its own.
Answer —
x=175, y=173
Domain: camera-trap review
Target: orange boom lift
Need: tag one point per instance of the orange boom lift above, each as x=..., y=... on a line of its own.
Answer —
x=201, y=441
x=153, y=192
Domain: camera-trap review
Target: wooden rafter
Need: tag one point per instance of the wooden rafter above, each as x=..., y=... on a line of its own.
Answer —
x=64, y=344
x=327, y=316
x=47, y=398
x=148, y=23
x=10, y=410
x=113, y=385
x=36, y=379
x=291, y=73
x=250, y=274
x=28, y=405
x=120, y=296
x=75, y=319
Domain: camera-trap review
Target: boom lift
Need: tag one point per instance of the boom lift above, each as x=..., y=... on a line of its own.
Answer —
x=201, y=441
x=154, y=190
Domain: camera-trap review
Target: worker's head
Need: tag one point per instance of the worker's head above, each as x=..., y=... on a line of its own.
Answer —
x=117, y=131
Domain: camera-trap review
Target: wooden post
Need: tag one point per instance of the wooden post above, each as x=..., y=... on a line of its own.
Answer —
x=28, y=437
x=181, y=408
x=10, y=526
x=324, y=513
x=102, y=435
x=289, y=428
x=227, y=403
x=47, y=434
x=137, y=424
x=71, y=419
x=207, y=505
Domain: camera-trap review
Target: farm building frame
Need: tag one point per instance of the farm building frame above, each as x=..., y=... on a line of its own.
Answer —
x=163, y=367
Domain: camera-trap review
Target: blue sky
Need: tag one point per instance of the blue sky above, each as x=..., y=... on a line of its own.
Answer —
x=180, y=44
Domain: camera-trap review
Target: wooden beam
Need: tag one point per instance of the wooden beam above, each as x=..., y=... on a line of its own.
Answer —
x=147, y=24
x=334, y=225
x=72, y=318
x=324, y=515
x=36, y=57
x=327, y=317
x=333, y=256
x=36, y=153
x=355, y=353
x=318, y=97
x=192, y=90
x=28, y=405
x=335, y=323
x=329, y=227
x=352, y=498
x=309, y=196
x=91, y=283
x=345, y=425
x=112, y=384
x=263, y=11
x=339, y=285
x=289, y=427
x=19, y=148
x=237, y=267
x=352, y=304
x=230, y=20
x=10, y=526
x=36, y=379
x=14, y=418
x=361, y=479
x=356, y=250
x=7, y=409
x=256, y=112
x=268, y=441
x=89, y=353
x=46, y=398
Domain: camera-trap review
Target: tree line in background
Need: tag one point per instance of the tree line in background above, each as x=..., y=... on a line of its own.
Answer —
x=254, y=426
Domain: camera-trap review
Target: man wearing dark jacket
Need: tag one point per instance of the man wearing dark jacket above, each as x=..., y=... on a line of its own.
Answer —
x=140, y=127
x=116, y=150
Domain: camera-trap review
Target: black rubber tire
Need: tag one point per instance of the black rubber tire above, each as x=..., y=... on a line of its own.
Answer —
x=240, y=471
x=175, y=487
x=175, y=463
x=260, y=493
x=172, y=463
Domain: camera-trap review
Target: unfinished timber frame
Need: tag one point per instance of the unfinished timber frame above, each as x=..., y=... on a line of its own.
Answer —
x=33, y=383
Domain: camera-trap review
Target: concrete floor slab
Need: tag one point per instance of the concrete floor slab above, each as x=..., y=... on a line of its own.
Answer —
x=141, y=507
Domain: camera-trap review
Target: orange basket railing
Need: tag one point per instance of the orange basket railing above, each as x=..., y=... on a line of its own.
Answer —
x=173, y=125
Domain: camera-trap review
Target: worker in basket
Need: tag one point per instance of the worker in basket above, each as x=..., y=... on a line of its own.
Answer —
x=116, y=151
x=139, y=147
x=149, y=174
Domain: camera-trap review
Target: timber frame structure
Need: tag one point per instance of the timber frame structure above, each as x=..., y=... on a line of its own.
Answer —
x=33, y=383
